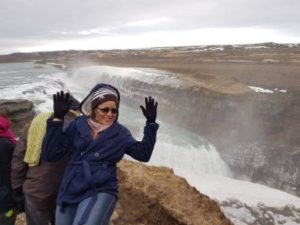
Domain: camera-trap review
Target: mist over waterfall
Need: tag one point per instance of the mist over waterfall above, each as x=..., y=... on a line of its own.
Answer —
x=133, y=83
x=176, y=146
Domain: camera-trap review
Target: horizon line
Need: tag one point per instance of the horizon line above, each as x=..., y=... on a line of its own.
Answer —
x=149, y=48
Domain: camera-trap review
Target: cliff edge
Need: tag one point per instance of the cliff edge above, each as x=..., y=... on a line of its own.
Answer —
x=154, y=195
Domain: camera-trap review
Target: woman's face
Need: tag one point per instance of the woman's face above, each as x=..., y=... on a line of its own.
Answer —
x=106, y=112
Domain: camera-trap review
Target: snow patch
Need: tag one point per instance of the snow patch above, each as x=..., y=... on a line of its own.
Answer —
x=246, y=203
x=261, y=90
x=264, y=90
x=255, y=47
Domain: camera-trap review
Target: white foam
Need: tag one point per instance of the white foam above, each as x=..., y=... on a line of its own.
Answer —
x=88, y=76
x=39, y=92
x=222, y=188
x=199, y=159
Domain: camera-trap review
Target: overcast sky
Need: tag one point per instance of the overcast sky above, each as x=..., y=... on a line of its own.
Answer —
x=39, y=25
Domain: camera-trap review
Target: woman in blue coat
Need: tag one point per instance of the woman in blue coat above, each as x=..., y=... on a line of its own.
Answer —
x=95, y=142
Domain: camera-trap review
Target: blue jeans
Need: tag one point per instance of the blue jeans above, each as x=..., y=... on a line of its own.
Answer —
x=100, y=213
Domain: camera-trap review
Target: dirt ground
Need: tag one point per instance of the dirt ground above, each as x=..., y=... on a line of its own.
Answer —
x=21, y=219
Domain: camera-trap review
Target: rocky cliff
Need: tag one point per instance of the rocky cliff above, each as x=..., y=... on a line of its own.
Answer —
x=20, y=112
x=154, y=195
x=257, y=134
x=148, y=195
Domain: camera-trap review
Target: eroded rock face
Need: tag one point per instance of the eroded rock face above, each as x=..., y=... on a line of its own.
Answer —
x=256, y=134
x=20, y=112
x=154, y=195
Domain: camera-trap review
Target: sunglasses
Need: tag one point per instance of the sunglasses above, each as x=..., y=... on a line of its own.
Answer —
x=106, y=110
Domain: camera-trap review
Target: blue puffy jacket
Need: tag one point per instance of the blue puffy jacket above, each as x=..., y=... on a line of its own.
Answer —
x=92, y=165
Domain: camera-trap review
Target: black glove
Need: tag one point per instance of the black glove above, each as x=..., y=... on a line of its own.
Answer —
x=61, y=104
x=18, y=196
x=151, y=109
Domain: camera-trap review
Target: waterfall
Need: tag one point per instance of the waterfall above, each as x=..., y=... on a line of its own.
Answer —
x=176, y=146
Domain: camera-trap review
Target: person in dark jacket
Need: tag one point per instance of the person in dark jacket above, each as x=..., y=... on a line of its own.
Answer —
x=96, y=142
x=38, y=180
x=7, y=145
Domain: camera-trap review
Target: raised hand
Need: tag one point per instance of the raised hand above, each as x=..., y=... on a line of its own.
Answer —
x=151, y=109
x=61, y=104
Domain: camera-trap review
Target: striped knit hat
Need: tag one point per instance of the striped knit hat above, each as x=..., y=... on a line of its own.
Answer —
x=103, y=95
x=99, y=94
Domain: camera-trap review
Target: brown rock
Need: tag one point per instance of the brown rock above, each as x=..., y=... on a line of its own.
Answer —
x=154, y=195
x=19, y=111
x=21, y=220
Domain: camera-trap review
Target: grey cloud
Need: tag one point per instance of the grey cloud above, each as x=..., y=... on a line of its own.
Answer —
x=53, y=19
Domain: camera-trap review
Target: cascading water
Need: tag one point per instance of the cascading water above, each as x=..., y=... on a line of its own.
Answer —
x=176, y=147
x=28, y=81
